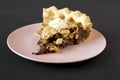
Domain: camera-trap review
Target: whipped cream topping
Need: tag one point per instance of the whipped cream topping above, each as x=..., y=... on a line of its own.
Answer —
x=58, y=23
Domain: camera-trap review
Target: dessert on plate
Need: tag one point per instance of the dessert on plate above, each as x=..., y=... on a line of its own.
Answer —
x=62, y=27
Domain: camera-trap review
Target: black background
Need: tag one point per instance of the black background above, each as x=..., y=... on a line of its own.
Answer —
x=105, y=15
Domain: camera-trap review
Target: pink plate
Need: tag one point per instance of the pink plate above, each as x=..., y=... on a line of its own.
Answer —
x=23, y=42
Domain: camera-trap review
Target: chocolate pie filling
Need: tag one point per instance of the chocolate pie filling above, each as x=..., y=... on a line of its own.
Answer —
x=45, y=46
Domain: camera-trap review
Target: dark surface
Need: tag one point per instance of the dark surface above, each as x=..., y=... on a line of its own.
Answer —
x=105, y=15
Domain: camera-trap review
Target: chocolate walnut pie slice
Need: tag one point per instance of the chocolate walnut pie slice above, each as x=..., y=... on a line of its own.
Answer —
x=62, y=27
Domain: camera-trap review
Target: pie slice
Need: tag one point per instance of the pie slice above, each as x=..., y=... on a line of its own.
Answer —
x=62, y=27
